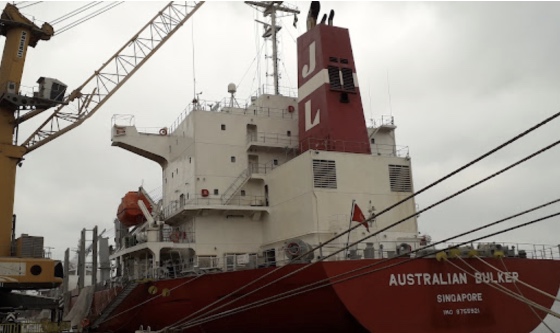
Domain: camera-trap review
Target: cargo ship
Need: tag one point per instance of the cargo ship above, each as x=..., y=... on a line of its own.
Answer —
x=287, y=212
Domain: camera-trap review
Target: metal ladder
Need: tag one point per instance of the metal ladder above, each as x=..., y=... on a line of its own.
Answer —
x=236, y=185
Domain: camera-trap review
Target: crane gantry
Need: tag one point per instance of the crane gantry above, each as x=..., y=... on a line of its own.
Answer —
x=69, y=112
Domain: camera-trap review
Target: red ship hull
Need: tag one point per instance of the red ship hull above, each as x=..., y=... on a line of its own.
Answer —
x=422, y=295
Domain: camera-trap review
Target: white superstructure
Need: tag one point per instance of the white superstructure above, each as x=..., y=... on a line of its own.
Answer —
x=234, y=185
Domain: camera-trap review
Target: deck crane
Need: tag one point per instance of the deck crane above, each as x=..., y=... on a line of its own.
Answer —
x=20, y=273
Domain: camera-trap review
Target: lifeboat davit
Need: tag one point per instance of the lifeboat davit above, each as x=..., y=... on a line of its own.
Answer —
x=129, y=213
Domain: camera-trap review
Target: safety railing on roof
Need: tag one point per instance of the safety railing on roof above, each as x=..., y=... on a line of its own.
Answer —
x=35, y=327
x=269, y=90
x=264, y=168
x=237, y=200
x=245, y=108
x=273, y=138
x=334, y=145
x=390, y=150
x=375, y=249
x=522, y=250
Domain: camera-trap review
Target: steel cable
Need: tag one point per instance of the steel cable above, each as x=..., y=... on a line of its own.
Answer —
x=517, y=137
x=31, y=4
x=75, y=12
x=89, y=17
x=369, y=236
x=504, y=289
x=519, y=291
x=329, y=281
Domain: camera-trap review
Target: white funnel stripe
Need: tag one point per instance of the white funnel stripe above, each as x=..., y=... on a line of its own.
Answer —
x=313, y=84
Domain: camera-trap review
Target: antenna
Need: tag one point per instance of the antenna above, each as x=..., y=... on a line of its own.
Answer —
x=271, y=8
x=370, y=107
x=193, y=72
x=389, y=93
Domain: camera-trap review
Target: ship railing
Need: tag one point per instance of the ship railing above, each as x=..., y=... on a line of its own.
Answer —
x=240, y=261
x=123, y=120
x=244, y=108
x=236, y=200
x=170, y=271
x=390, y=150
x=267, y=89
x=229, y=262
x=207, y=264
x=263, y=111
x=177, y=235
x=256, y=110
x=264, y=168
x=354, y=147
x=182, y=116
x=36, y=327
x=389, y=249
x=366, y=250
x=385, y=120
x=521, y=250
x=334, y=145
x=150, y=130
x=142, y=271
x=286, y=140
x=128, y=120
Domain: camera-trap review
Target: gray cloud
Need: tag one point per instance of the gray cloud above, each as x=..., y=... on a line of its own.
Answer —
x=464, y=77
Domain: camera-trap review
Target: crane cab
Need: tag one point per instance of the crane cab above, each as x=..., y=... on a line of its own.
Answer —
x=50, y=89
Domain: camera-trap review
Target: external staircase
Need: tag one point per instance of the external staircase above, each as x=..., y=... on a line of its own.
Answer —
x=235, y=186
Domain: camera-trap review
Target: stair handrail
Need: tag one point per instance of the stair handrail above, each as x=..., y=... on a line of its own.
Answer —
x=235, y=185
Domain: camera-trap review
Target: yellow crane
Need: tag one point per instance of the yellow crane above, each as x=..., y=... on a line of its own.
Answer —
x=18, y=272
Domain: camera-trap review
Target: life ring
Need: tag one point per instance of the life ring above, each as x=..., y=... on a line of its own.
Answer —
x=85, y=322
x=404, y=248
x=204, y=192
x=291, y=109
x=175, y=236
x=163, y=131
x=293, y=249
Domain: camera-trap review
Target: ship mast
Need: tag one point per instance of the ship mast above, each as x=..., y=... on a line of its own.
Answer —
x=271, y=8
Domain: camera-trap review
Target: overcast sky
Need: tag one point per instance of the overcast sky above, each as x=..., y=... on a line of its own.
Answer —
x=463, y=78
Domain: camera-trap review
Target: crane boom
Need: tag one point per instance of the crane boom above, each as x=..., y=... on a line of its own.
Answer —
x=17, y=272
x=84, y=101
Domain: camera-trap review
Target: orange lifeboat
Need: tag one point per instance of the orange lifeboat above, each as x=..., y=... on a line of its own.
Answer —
x=129, y=213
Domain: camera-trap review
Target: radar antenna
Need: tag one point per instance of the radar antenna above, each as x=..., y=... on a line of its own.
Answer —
x=271, y=29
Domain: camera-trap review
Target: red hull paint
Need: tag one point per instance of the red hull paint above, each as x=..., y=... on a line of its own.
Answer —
x=384, y=308
x=366, y=303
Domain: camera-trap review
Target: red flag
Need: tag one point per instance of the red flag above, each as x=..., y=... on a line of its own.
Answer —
x=358, y=216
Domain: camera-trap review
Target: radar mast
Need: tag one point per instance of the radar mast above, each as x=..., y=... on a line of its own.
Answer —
x=271, y=29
